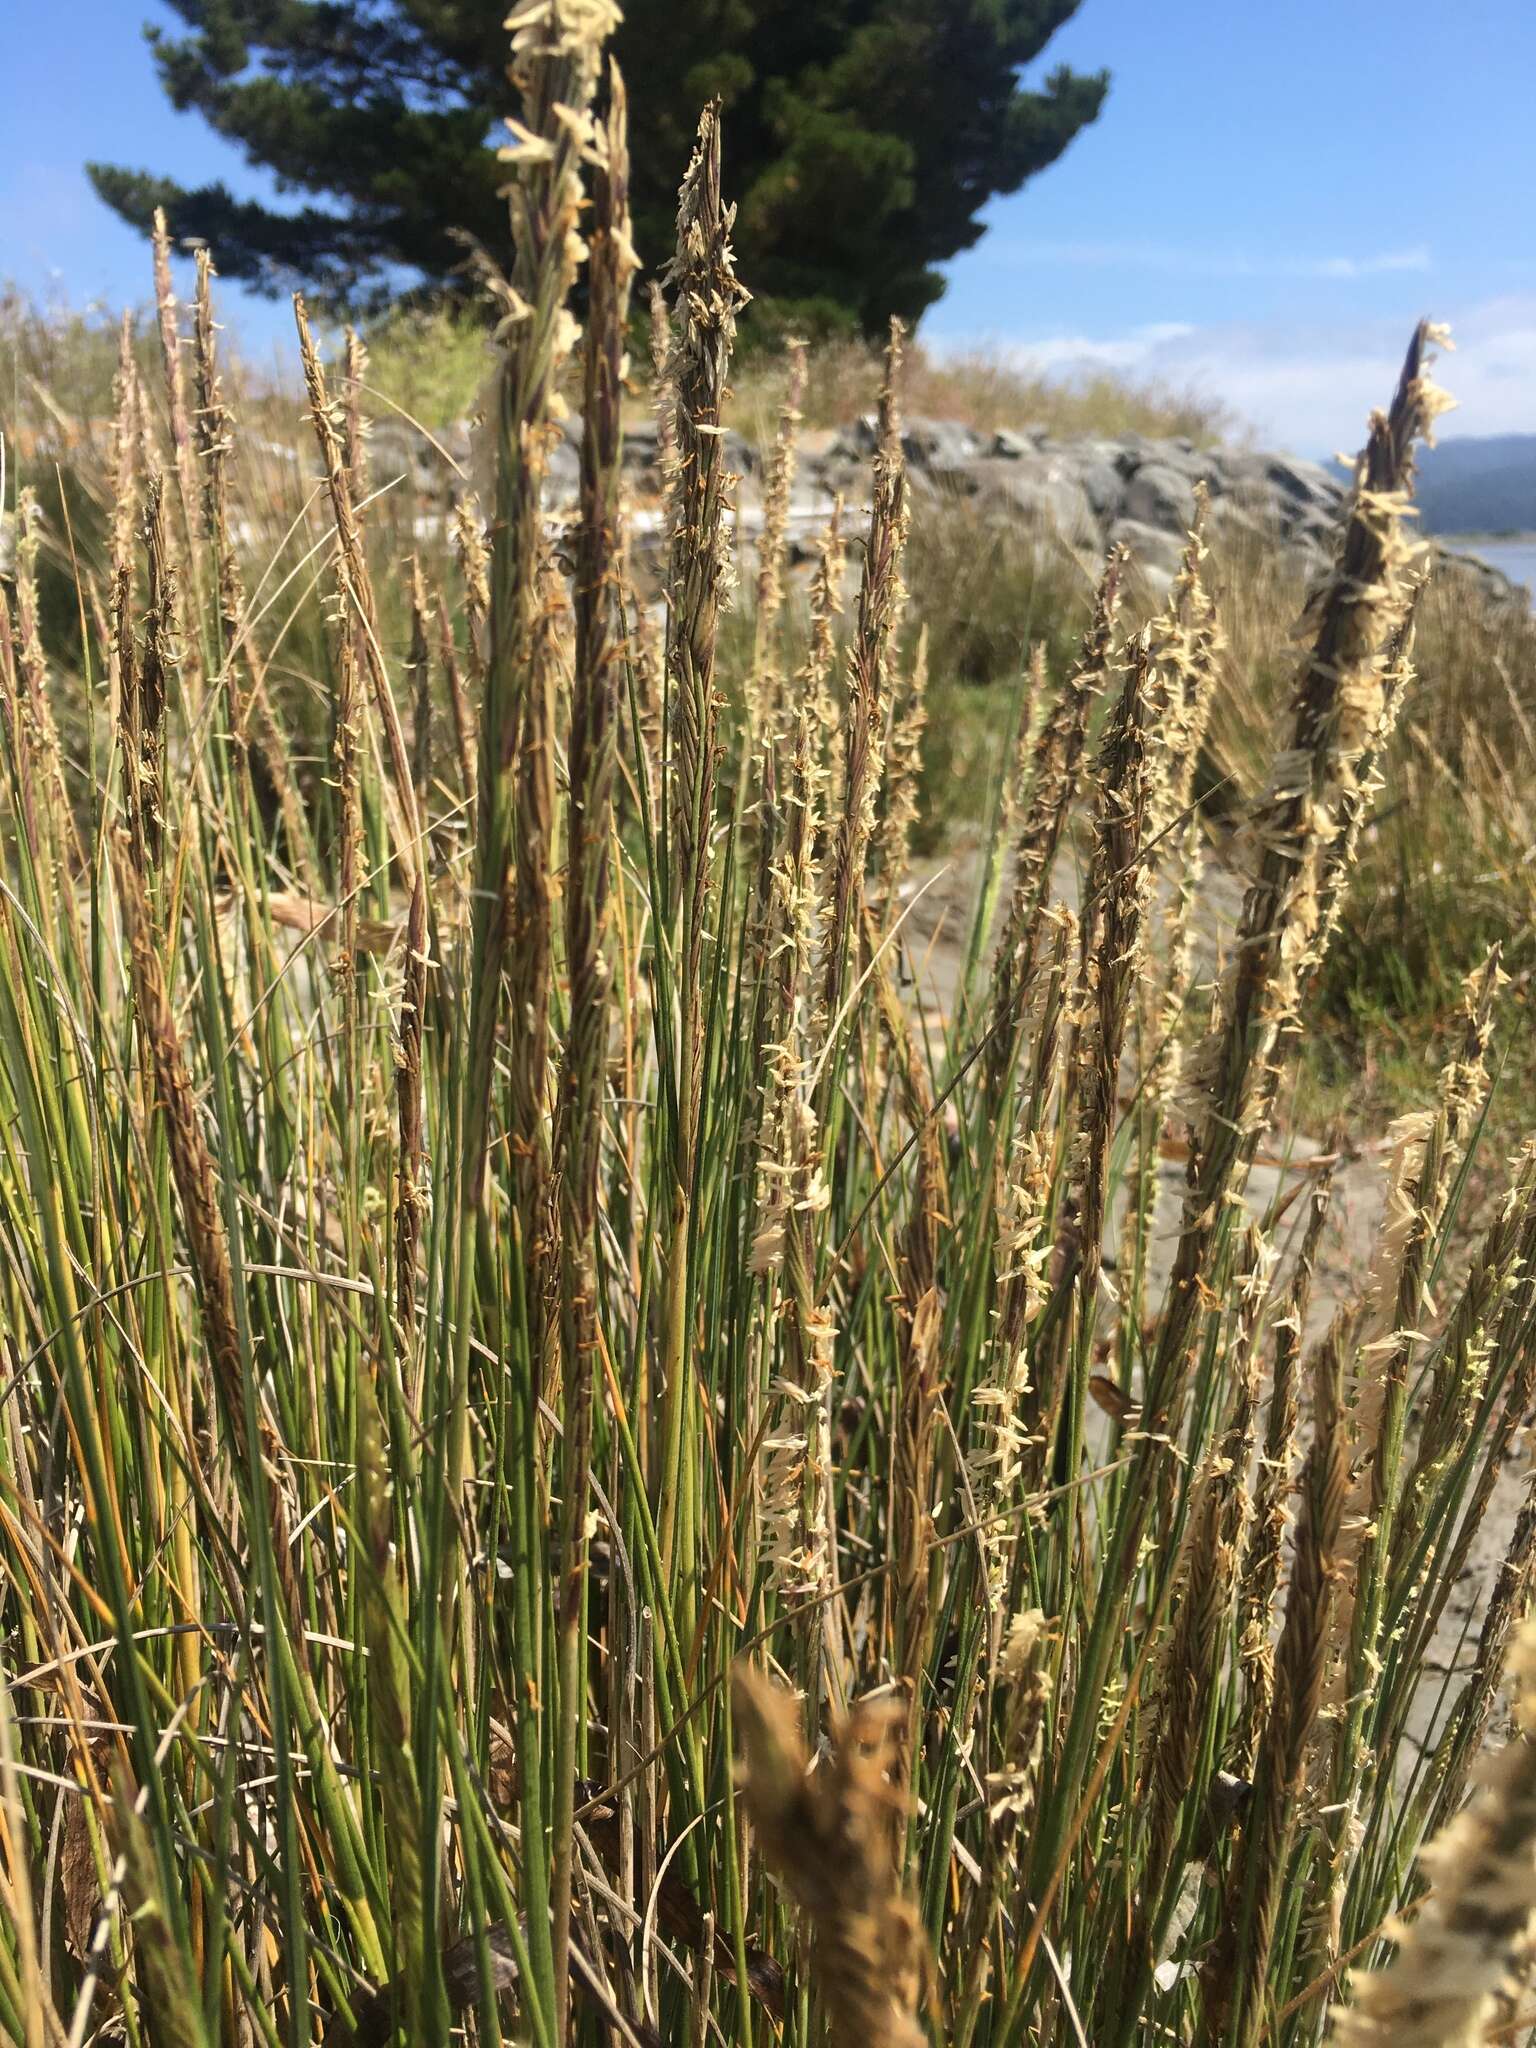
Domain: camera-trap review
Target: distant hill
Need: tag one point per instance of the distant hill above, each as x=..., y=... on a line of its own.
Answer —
x=1483, y=484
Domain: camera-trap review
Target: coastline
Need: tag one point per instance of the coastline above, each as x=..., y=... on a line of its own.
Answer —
x=1512, y=554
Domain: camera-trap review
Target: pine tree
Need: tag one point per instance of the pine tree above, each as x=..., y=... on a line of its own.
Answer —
x=863, y=137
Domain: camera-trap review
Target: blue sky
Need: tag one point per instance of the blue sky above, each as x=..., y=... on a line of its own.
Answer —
x=1274, y=193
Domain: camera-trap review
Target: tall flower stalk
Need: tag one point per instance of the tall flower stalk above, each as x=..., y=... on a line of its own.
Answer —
x=557, y=47
x=595, y=703
x=707, y=298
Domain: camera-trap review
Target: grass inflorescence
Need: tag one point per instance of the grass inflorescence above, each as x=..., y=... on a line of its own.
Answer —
x=578, y=1460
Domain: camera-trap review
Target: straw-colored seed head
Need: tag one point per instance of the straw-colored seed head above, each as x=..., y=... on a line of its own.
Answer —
x=1455, y=1955
x=826, y=1833
x=1011, y=1786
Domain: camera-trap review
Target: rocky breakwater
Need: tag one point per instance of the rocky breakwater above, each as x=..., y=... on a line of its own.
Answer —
x=1083, y=495
x=1089, y=495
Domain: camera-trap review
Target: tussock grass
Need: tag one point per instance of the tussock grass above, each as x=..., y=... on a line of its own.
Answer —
x=981, y=389
x=1444, y=863
x=572, y=1462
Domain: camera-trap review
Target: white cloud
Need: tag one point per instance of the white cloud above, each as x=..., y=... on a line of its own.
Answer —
x=1312, y=388
x=1073, y=352
x=1168, y=260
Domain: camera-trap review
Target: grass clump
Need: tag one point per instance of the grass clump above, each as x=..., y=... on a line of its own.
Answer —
x=1443, y=865
x=978, y=389
x=431, y=363
x=573, y=1462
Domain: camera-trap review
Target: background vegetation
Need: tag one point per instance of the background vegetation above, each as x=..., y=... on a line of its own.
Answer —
x=865, y=138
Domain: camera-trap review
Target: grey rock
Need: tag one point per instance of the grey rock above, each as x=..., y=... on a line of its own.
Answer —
x=563, y=477
x=1290, y=473
x=958, y=480
x=839, y=476
x=642, y=435
x=939, y=445
x=1057, y=504
x=1161, y=497
x=930, y=445
x=1154, y=553
x=922, y=488
x=1287, y=476
x=436, y=465
x=1311, y=528
x=1103, y=483
x=1200, y=465
x=1249, y=519
x=1051, y=483
x=1472, y=573
x=1102, y=468
x=802, y=539
x=1081, y=493
x=1009, y=444
x=857, y=441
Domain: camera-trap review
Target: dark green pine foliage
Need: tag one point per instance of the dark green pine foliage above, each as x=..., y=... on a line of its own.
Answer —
x=863, y=138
